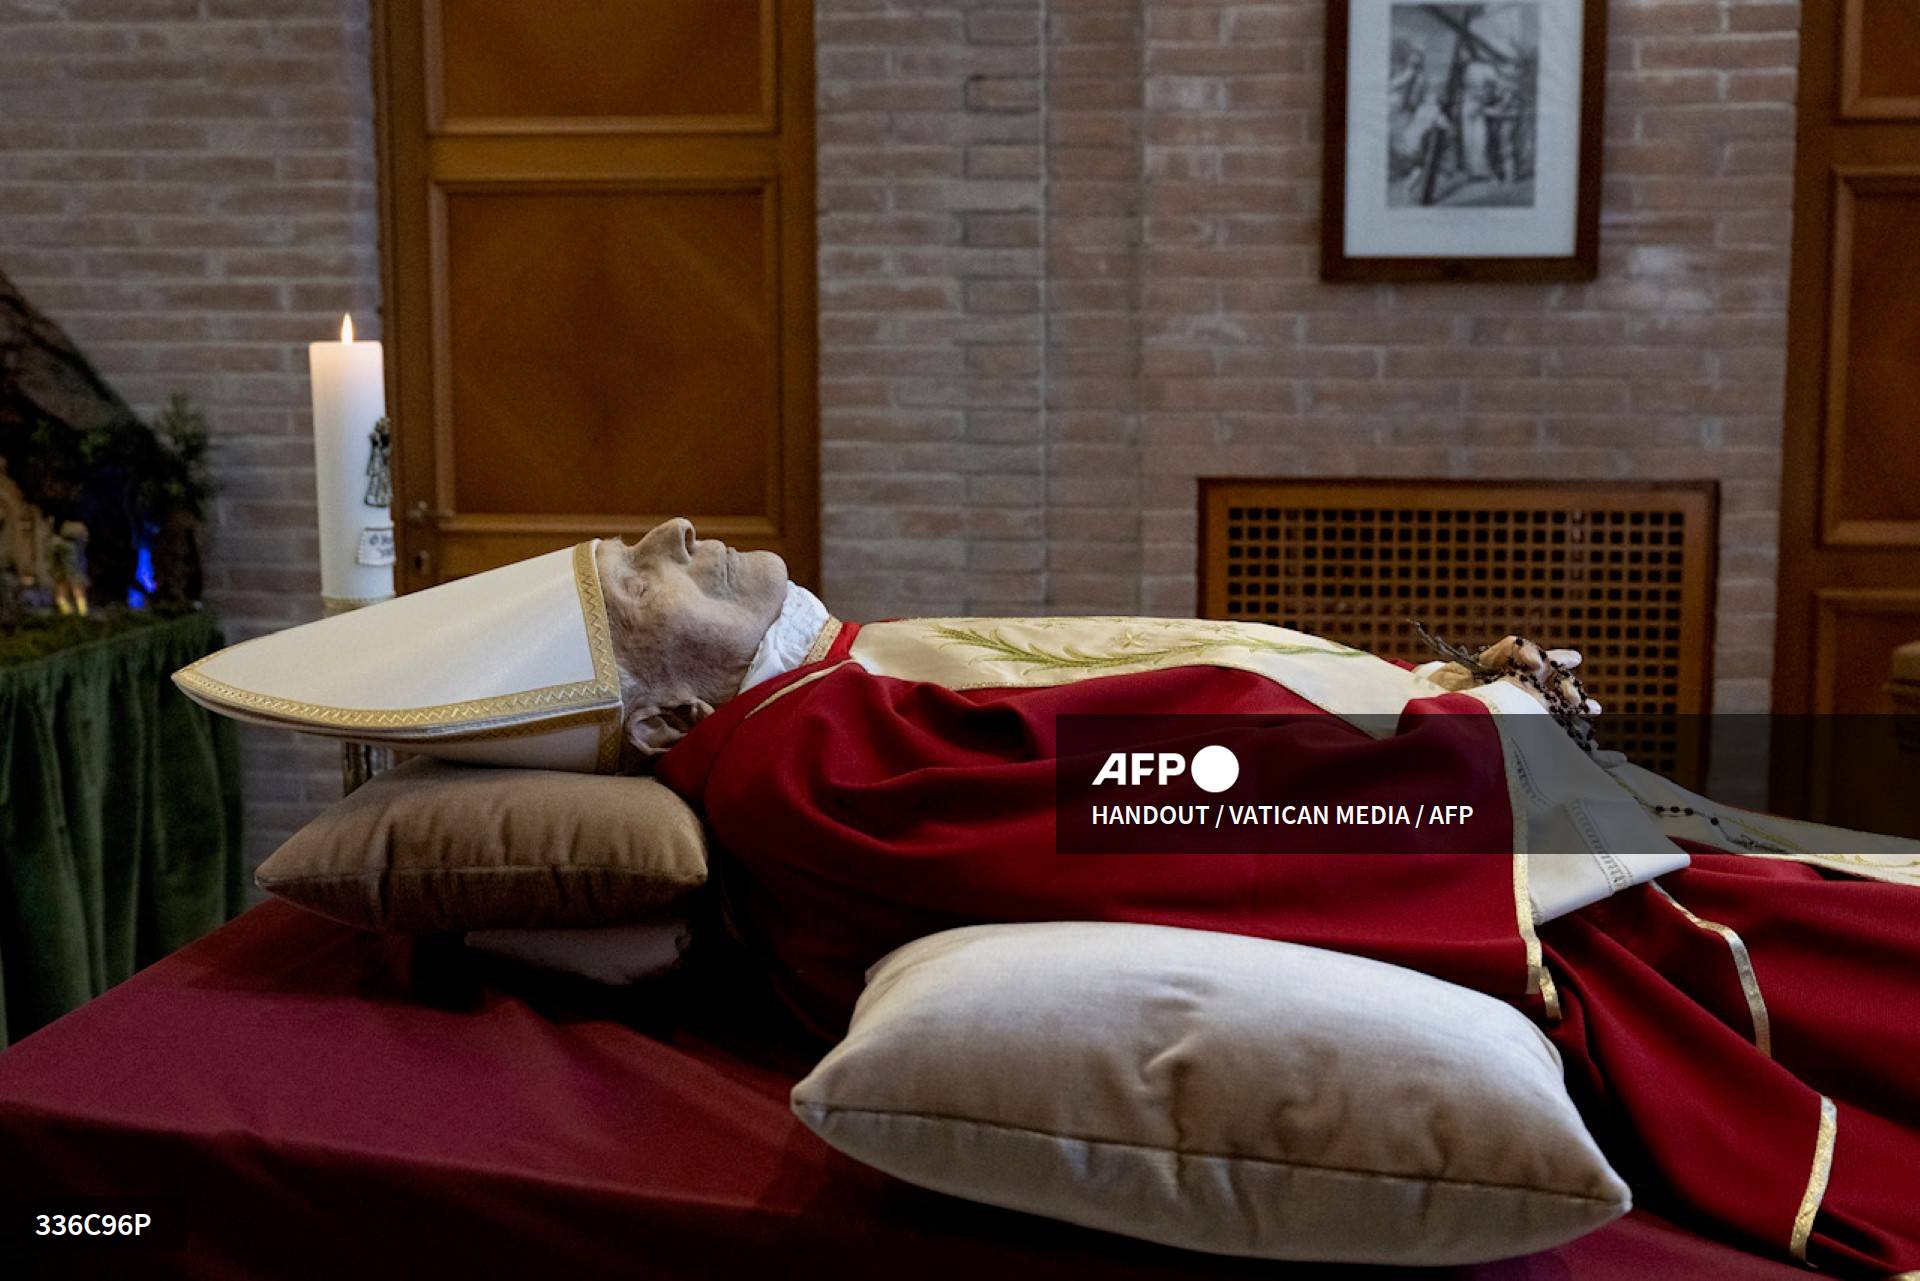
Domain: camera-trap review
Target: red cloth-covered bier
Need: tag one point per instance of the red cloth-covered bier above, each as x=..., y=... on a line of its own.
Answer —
x=280, y=1084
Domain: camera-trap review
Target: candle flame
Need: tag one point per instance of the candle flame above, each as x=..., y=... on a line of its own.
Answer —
x=346, y=328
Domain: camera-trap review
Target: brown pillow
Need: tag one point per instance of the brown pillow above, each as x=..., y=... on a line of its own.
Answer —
x=431, y=847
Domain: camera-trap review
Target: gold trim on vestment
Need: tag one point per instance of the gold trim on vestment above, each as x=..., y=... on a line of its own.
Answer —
x=598, y=698
x=1036, y=653
x=823, y=642
x=1538, y=980
x=1134, y=650
x=785, y=690
x=1816, y=1179
x=1742, y=964
x=1549, y=993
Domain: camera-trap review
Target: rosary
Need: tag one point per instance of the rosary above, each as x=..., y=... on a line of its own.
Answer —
x=1738, y=838
x=1559, y=689
x=1567, y=702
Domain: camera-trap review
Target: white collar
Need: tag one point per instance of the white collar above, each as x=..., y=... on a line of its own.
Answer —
x=788, y=637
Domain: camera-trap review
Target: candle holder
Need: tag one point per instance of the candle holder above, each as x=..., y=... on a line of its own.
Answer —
x=359, y=762
x=352, y=445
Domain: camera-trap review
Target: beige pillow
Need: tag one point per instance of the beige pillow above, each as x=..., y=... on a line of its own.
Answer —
x=430, y=846
x=1213, y=1091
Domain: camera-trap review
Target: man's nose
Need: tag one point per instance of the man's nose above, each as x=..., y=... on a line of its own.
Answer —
x=673, y=538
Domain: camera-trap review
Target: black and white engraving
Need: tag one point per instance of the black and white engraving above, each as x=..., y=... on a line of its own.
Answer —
x=1462, y=105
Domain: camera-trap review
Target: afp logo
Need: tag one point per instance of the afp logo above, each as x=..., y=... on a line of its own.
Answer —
x=1214, y=769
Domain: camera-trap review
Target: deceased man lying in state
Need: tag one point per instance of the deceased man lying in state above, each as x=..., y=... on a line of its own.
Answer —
x=1740, y=1030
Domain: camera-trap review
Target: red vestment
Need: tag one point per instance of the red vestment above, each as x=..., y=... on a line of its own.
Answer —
x=854, y=812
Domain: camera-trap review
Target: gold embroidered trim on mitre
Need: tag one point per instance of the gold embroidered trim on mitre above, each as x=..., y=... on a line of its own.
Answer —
x=1816, y=1179
x=1743, y=966
x=442, y=718
x=601, y=695
x=606, y=673
x=525, y=729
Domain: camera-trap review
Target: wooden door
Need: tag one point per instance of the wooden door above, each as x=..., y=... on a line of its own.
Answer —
x=1850, y=506
x=597, y=242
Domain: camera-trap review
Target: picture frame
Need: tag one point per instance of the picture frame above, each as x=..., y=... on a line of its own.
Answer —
x=1462, y=140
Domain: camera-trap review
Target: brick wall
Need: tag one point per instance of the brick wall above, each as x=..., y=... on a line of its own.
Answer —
x=986, y=452
x=1066, y=264
x=187, y=186
x=932, y=485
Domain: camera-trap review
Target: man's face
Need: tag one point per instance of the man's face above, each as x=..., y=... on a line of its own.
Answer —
x=687, y=613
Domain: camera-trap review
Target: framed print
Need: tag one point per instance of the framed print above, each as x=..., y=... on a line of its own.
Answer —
x=1463, y=140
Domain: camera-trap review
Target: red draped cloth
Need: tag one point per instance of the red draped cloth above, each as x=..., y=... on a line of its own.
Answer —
x=854, y=813
x=1658, y=1038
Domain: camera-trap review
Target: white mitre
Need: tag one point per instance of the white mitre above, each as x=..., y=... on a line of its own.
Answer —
x=513, y=666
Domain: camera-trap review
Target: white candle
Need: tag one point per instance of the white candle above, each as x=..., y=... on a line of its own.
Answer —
x=356, y=537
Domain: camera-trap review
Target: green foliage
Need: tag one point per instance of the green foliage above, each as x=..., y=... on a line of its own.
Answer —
x=130, y=484
x=37, y=636
x=51, y=470
x=178, y=479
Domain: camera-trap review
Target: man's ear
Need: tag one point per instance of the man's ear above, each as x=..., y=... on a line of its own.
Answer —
x=650, y=730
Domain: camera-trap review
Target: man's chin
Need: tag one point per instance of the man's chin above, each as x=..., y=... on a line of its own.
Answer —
x=767, y=567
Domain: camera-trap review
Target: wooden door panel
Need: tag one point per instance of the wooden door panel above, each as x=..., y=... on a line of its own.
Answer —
x=1871, y=457
x=671, y=389
x=1850, y=465
x=597, y=250
x=1856, y=629
x=1880, y=59
x=1860, y=775
x=509, y=65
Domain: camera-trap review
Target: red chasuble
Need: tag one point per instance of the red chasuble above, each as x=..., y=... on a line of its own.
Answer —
x=855, y=809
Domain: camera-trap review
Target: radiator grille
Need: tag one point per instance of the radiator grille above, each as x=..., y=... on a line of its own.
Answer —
x=1623, y=574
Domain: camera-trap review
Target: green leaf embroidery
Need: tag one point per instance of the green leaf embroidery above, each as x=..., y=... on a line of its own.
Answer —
x=1074, y=658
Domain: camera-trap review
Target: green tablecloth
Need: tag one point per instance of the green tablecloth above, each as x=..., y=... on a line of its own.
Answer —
x=119, y=817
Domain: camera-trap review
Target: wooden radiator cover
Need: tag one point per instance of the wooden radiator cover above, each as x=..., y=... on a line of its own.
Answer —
x=1622, y=573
